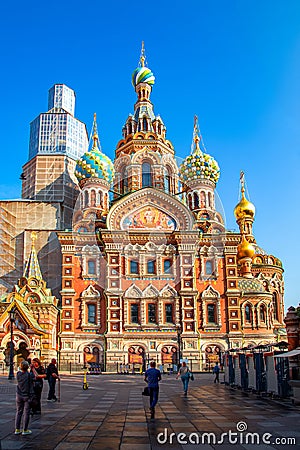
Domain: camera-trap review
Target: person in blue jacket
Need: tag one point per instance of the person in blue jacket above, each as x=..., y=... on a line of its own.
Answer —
x=153, y=377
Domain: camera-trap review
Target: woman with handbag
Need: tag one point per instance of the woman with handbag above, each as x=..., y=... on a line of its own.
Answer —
x=39, y=374
x=24, y=393
x=185, y=376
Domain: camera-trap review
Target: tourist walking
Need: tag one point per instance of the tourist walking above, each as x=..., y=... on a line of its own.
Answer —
x=216, y=371
x=153, y=377
x=39, y=373
x=185, y=375
x=52, y=376
x=24, y=392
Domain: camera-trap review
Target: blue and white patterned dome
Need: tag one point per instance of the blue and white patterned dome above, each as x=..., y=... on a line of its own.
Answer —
x=94, y=163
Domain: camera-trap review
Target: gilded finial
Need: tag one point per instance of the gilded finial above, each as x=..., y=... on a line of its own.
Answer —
x=196, y=135
x=142, y=57
x=242, y=180
x=95, y=132
x=33, y=237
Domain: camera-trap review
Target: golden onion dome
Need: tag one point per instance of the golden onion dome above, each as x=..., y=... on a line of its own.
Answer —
x=244, y=209
x=245, y=249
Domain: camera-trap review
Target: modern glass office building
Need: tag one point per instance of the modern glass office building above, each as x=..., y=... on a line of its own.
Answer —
x=58, y=131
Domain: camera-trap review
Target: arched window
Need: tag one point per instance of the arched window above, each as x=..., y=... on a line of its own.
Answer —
x=168, y=180
x=167, y=266
x=91, y=313
x=262, y=313
x=202, y=199
x=275, y=306
x=211, y=313
x=146, y=174
x=209, y=200
x=196, y=200
x=93, y=198
x=190, y=201
x=91, y=267
x=124, y=181
x=208, y=267
x=248, y=313
x=145, y=124
x=86, y=198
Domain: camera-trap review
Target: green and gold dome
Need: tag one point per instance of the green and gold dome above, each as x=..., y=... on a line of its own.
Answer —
x=94, y=163
x=199, y=165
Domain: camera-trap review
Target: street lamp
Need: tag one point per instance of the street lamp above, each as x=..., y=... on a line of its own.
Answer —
x=12, y=317
x=178, y=328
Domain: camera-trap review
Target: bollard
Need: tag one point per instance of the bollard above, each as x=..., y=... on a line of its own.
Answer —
x=85, y=383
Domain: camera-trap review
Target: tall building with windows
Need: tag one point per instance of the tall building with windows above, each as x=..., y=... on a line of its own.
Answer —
x=49, y=191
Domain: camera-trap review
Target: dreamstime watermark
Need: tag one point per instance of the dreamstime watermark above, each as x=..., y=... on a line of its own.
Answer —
x=238, y=436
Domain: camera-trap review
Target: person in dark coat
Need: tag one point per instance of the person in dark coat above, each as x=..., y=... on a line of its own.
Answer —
x=40, y=374
x=52, y=376
x=24, y=392
x=152, y=377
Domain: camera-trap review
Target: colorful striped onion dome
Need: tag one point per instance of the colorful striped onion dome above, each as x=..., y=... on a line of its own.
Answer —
x=142, y=74
x=94, y=163
x=199, y=165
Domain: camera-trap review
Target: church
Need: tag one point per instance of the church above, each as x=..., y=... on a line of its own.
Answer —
x=141, y=263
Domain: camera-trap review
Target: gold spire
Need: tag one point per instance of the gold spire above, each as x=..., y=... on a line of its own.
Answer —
x=196, y=135
x=32, y=268
x=196, y=132
x=142, y=57
x=95, y=134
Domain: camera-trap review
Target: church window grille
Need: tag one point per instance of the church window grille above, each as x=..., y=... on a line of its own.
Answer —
x=169, y=312
x=211, y=313
x=134, y=313
x=91, y=313
x=151, y=313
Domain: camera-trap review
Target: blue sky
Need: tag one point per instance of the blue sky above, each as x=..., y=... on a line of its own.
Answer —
x=235, y=64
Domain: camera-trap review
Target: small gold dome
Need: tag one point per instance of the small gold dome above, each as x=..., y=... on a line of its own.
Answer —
x=244, y=209
x=245, y=249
